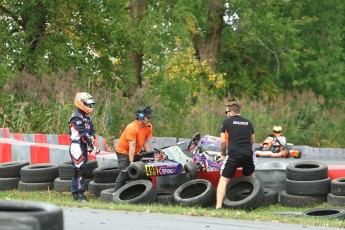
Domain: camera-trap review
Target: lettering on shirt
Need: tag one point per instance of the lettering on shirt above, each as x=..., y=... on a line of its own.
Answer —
x=240, y=122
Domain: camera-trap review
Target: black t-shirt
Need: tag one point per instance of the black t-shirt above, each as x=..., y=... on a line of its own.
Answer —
x=239, y=132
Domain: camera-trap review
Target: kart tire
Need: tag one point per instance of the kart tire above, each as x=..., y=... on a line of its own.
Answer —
x=138, y=191
x=39, y=173
x=308, y=188
x=294, y=201
x=105, y=174
x=191, y=170
x=198, y=192
x=96, y=188
x=107, y=195
x=12, y=169
x=306, y=171
x=50, y=217
x=239, y=184
x=338, y=186
x=9, y=183
x=325, y=213
x=136, y=170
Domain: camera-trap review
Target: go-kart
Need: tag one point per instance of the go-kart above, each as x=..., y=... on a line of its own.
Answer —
x=204, y=160
x=267, y=149
x=166, y=161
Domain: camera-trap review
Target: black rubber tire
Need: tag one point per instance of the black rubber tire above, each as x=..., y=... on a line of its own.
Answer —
x=65, y=170
x=238, y=184
x=39, y=173
x=49, y=216
x=308, y=188
x=338, y=186
x=138, y=191
x=136, y=170
x=107, y=195
x=9, y=183
x=165, y=198
x=306, y=171
x=42, y=186
x=325, y=213
x=270, y=197
x=96, y=188
x=12, y=169
x=198, y=192
x=294, y=201
x=338, y=201
x=65, y=185
x=10, y=222
x=191, y=170
x=105, y=174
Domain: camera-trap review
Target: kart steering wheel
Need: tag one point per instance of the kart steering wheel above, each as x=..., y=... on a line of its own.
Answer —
x=194, y=141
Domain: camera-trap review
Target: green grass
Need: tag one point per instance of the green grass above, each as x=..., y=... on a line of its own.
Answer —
x=259, y=214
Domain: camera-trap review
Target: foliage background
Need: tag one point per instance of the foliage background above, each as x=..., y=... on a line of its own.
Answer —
x=284, y=60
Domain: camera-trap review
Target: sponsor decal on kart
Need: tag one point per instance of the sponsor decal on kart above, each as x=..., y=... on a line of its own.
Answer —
x=167, y=171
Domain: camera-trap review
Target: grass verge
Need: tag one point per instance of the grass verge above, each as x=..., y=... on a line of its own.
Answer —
x=260, y=214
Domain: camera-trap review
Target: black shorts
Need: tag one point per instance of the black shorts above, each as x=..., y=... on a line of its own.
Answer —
x=231, y=163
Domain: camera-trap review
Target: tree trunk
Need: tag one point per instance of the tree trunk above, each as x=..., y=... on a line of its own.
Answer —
x=209, y=48
x=138, y=9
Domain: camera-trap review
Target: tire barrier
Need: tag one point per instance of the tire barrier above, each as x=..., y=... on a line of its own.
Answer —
x=307, y=182
x=198, y=192
x=244, y=183
x=105, y=174
x=38, y=177
x=138, y=191
x=10, y=174
x=65, y=185
x=50, y=217
x=294, y=201
x=337, y=195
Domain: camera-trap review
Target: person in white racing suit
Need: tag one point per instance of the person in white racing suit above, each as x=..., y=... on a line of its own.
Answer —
x=82, y=136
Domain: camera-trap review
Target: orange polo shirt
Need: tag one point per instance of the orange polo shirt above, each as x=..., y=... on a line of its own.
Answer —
x=134, y=131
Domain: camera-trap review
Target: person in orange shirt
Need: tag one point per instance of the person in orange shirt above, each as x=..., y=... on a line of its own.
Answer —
x=131, y=142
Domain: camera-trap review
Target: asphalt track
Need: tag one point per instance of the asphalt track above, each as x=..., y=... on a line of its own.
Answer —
x=96, y=219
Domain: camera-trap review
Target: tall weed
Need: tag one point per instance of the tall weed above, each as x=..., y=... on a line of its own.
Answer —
x=32, y=105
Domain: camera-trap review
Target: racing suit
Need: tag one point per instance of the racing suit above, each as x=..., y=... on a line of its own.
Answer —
x=82, y=135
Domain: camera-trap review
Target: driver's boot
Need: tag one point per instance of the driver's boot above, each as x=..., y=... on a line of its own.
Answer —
x=296, y=153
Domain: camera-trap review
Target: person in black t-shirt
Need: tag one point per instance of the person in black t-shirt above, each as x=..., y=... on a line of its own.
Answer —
x=240, y=154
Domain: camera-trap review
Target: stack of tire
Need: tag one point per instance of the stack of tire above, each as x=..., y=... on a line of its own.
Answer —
x=38, y=177
x=307, y=184
x=103, y=179
x=64, y=181
x=337, y=195
x=10, y=174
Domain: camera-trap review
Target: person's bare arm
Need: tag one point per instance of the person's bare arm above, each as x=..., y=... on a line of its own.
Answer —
x=223, y=144
x=131, y=150
x=147, y=146
x=252, y=138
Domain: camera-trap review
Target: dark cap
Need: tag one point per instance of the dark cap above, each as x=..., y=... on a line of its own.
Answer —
x=147, y=111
